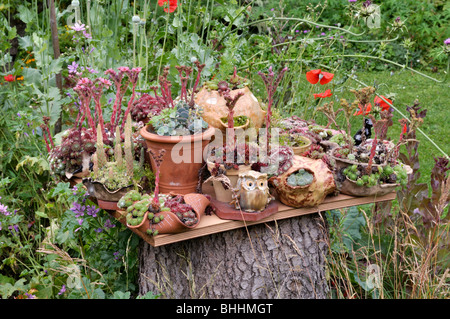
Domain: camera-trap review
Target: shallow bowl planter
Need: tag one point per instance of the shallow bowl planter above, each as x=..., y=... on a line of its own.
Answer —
x=344, y=162
x=242, y=127
x=350, y=187
x=299, y=150
x=222, y=194
x=106, y=198
x=182, y=161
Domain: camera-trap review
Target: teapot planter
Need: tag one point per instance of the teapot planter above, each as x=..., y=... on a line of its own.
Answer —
x=319, y=182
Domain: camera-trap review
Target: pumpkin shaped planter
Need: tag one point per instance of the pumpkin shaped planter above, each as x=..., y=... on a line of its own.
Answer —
x=305, y=184
x=214, y=104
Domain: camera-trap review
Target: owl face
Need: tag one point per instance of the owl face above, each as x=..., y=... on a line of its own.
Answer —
x=249, y=183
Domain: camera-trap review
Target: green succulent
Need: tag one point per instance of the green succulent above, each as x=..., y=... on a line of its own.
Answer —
x=180, y=120
x=300, y=178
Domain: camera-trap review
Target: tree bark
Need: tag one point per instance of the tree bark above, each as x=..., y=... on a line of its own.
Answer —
x=283, y=259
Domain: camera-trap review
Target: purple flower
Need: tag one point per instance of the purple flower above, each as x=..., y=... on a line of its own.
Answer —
x=19, y=115
x=73, y=67
x=91, y=70
x=63, y=290
x=80, y=221
x=297, y=31
x=323, y=33
x=78, y=27
x=109, y=224
x=4, y=210
x=273, y=9
x=77, y=209
x=352, y=0
x=92, y=211
x=305, y=31
x=87, y=35
x=98, y=230
x=30, y=296
x=447, y=42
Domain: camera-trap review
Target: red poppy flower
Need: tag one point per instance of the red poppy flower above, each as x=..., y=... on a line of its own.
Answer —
x=327, y=93
x=172, y=5
x=367, y=110
x=405, y=128
x=314, y=76
x=9, y=78
x=379, y=102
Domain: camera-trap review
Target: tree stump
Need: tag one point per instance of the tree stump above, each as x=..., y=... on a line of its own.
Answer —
x=281, y=259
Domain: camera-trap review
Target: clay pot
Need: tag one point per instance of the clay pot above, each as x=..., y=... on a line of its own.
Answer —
x=214, y=107
x=222, y=194
x=349, y=187
x=106, y=198
x=172, y=224
x=299, y=150
x=179, y=173
x=308, y=195
x=143, y=226
x=242, y=127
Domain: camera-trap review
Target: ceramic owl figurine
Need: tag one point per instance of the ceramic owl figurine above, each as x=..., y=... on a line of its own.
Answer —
x=252, y=192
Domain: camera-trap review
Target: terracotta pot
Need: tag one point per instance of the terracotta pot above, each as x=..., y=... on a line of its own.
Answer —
x=179, y=173
x=172, y=224
x=224, y=126
x=214, y=106
x=309, y=195
x=222, y=194
x=349, y=187
x=299, y=150
x=106, y=198
x=143, y=226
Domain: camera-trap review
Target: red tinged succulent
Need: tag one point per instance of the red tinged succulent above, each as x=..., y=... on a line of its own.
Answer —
x=9, y=78
x=172, y=5
x=325, y=94
x=381, y=103
x=315, y=76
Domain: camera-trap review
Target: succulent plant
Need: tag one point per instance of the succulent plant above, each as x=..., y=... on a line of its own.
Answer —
x=76, y=146
x=136, y=205
x=181, y=116
x=120, y=172
x=300, y=178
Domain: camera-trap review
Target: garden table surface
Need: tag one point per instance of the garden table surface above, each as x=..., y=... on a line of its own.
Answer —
x=211, y=224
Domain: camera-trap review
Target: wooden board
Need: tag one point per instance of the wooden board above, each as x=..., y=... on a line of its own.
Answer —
x=213, y=224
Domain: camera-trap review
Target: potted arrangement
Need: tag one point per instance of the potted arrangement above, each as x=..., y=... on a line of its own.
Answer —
x=367, y=166
x=180, y=130
x=305, y=184
x=229, y=158
x=72, y=157
x=213, y=102
x=162, y=213
x=110, y=180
